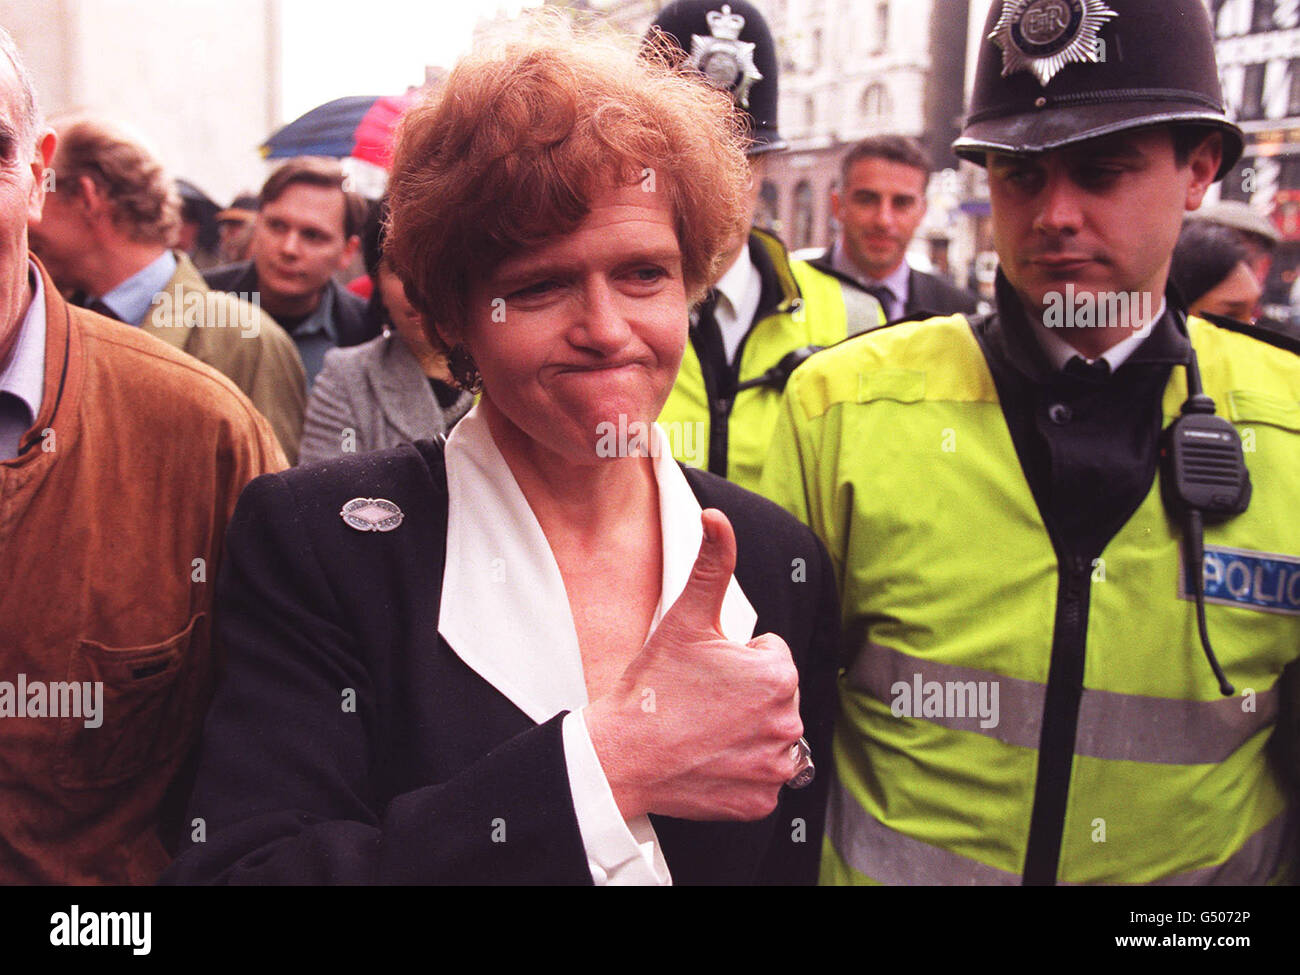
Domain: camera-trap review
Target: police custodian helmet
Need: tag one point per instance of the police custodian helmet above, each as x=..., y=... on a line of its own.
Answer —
x=1054, y=72
x=731, y=45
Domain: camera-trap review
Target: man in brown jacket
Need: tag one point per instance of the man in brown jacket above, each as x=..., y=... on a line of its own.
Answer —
x=120, y=462
x=105, y=232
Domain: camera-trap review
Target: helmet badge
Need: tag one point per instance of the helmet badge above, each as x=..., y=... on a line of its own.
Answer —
x=1043, y=36
x=724, y=59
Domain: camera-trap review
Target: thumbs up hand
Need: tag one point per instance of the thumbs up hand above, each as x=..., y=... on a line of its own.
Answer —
x=715, y=741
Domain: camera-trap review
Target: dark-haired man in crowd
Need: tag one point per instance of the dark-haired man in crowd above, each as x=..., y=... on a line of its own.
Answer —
x=879, y=205
x=308, y=227
x=106, y=233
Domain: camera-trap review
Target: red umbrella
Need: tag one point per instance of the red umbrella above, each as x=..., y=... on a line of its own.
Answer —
x=360, y=126
x=374, y=136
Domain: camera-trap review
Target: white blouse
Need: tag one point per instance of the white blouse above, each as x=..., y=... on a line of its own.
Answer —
x=506, y=614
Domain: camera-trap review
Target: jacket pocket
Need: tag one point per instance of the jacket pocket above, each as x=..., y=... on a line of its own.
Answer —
x=146, y=699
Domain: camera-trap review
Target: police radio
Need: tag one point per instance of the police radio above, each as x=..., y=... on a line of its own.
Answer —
x=1203, y=477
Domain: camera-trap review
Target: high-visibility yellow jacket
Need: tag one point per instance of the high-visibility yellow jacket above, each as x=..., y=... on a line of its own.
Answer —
x=893, y=447
x=711, y=425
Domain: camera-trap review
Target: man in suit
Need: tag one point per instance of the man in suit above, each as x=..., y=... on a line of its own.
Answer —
x=120, y=462
x=308, y=227
x=106, y=234
x=879, y=205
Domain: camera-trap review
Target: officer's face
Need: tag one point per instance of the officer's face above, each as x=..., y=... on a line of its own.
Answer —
x=1102, y=215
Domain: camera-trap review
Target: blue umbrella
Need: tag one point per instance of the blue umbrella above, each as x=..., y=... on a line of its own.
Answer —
x=327, y=130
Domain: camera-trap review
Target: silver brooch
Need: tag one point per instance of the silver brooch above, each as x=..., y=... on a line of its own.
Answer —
x=1043, y=36
x=724, y=59
x=371, y=514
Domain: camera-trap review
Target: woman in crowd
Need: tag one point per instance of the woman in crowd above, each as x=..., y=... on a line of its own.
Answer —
x=1211, y=269
x=393, y=389
x=547, y=654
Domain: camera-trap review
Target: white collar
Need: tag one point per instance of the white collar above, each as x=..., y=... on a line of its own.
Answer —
x=742, y=287
x=1059, y=351
x=504, y=608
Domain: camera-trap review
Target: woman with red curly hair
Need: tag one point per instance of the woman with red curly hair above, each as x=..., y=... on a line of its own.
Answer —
x=544, y=652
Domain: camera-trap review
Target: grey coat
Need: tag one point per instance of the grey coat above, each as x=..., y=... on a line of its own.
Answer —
x=370, y=397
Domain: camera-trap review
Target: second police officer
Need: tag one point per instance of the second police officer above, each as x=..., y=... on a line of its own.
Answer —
x=766, y=312
x=1072, y=615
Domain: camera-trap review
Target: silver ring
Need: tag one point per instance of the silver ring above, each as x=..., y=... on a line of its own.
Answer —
x=805, y=770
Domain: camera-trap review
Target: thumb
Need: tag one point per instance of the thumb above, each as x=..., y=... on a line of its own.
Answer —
x=700, y=604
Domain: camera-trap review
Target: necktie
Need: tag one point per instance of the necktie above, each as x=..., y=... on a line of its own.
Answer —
x=1093, y=372
x=886, y=298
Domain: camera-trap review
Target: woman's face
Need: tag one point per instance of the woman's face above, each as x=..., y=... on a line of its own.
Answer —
x=583, y=329
x=1234, y=297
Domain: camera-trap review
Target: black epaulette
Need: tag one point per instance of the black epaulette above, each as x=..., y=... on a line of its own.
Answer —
x=1266, y=330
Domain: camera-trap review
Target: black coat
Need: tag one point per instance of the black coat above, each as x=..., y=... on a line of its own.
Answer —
x=931, y=295
x=411, y=787
x=349, y=310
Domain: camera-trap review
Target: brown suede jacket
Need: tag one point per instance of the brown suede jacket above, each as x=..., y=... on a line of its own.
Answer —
x=111, y=526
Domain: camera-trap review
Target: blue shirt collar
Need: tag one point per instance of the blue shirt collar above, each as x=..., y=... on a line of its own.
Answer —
x=132, y=299
x=24, y=377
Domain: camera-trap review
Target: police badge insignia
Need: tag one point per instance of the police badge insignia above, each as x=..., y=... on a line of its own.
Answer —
x=1043, y=36
x=371, y=514
x=724, y=59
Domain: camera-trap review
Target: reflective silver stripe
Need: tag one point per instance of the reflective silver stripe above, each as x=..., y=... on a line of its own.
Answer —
x=1120, y=727
x=886, y=855
x=1133, y=728
x=861, y=311
x=890, y=857
x=877, y=669
x=1253, y=864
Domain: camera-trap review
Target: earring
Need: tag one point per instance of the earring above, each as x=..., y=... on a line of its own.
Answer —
x=464, y=369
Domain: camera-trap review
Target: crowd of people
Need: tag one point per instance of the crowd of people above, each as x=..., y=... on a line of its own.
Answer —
x=604, y=541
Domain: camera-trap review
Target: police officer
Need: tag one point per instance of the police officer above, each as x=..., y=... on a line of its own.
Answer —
x=766, y=312
x=1072, y=626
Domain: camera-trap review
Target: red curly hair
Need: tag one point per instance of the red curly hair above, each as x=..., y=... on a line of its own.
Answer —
x=510, y=151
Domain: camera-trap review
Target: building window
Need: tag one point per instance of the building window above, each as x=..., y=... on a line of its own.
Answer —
x=810, y=111
x=1293, y=84
x=880, y=29
x=1262, y=18
x=1231, y=17
x=803, y=214
x=1252, y=92
x=817, y=53
x=832, y=227
x=1288, y=172
x=875, y=102
x=767, y=215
